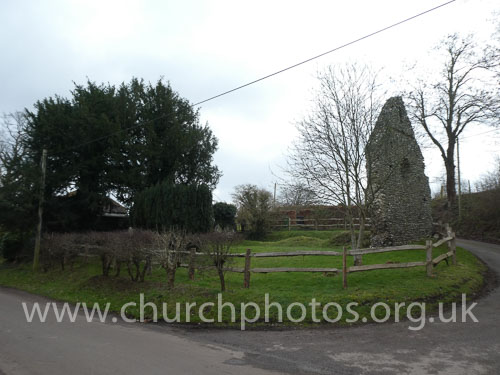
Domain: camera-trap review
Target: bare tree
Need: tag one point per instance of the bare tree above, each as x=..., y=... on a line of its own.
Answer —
x=217, y=246
x=172, y=245
x=460, y=96
x=491, y=180
x=296, y=194
x=329, y=156
x=12, y=151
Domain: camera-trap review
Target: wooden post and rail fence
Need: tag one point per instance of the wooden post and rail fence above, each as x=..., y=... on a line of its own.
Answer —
x=429, y=261
x=315, y=224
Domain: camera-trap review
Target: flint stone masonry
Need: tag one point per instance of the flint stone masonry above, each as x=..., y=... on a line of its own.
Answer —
x=401, y=211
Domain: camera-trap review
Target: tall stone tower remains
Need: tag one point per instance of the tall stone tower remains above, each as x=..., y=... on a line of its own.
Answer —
x=401, y=211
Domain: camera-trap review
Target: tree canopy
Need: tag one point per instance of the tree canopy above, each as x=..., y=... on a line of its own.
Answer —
x=462, y=95
x=328, y=157
x=253, y=204
x=113, y=140
x=224, y=215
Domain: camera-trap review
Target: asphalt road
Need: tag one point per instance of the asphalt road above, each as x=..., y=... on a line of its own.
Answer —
x=390, y=348
x=101, y=348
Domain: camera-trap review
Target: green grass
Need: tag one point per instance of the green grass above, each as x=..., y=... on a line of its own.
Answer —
x=84, y=283
x=286, y=234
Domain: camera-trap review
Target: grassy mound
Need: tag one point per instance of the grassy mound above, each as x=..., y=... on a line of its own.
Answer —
x=301, y=241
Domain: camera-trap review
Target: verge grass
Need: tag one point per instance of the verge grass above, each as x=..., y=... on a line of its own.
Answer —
x=85, y=283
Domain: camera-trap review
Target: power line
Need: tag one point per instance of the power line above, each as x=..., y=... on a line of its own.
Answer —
x=275, y=73
x=475, y=135
x=462, y=138
x=327, y=52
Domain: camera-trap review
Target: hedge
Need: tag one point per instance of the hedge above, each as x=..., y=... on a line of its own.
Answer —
x=165, y=206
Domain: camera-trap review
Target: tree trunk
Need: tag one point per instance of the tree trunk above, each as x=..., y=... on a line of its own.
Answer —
x=171, y=277
x=222, y=281
x=451, y=190
x=147, y=268
x=106, y=264
x=131, y=274
x=118, y=268
x=361, y=234
x=358, y=259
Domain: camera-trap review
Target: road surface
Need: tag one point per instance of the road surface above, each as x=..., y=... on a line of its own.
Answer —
x=391, y=348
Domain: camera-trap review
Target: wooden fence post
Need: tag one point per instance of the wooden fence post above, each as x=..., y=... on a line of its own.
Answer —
x=428, y=259
x=453, y=248
x=344, y=268
x=191, y=263
x=452, y=244
x=246, y=280
x=289, y=223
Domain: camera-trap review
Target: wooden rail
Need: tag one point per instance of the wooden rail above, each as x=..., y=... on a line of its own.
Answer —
x=316, y=224
x=385, y=249
x=295, y=254
x=386, y=266
x=271, y=270
x=429, y=262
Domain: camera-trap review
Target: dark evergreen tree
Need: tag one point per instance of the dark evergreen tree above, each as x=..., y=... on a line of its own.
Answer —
x=224, y=215
x=175, y=145
x=166, y=206
x=106, y=140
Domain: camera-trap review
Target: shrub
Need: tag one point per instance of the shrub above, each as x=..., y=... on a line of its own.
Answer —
x=166, y=205
x=217, y=246
x=132, y=248
x=16, y=246
x=224, y=215
x=138, y=249
x=254, y=206
x=171, y=244
x=61, y=248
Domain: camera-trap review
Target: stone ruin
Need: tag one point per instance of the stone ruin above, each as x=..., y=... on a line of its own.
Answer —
x=400, y=211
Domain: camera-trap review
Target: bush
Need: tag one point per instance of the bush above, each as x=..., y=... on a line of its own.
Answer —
x=480, y=215
x=170, y=245
x=137, y=249
x=62, y=248
x=16, y=246
x=217, y=246
x=254, y=206
x=224, y=215
x=132, y=248
x=166, y=206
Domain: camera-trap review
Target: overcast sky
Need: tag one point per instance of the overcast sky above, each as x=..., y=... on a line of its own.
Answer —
x=207, y=47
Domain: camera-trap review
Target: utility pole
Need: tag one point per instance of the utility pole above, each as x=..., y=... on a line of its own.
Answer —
x=274, y=196
x=36, y=257
x=459, y=183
